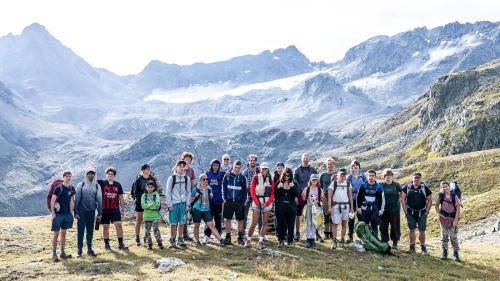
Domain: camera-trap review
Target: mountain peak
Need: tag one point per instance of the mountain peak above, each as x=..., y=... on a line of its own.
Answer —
x=34, y=28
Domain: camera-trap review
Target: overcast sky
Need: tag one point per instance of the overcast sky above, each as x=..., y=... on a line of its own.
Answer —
x=123, y=36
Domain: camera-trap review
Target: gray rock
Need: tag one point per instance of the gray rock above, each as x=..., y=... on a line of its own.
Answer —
x=168, y=264
x=17, y=230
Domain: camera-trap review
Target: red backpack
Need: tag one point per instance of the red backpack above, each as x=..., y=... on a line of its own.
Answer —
x=53, y=185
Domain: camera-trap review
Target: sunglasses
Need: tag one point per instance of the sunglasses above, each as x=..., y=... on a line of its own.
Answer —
x=204, y=179
x=226, y=159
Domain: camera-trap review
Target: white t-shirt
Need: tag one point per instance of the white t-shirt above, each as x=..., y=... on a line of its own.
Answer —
x=340, y=195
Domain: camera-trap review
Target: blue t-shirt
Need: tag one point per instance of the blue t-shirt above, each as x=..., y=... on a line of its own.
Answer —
x=203, y=202
x=64, y=195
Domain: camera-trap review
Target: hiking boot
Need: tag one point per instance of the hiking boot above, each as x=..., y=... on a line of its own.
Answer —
x=456, y=257
x=342, y=241
x=281, y=244
x=241, y=241
x=150, y=246
x=55, y=258
x=423, y=248
x=412, y=249
x=313, y=242
x=121, y=246
x=350, y=239
x=221, y=242
x=247, y=243
x=160, y=245
x=297, y=236
x=318, y=237
x=289, y=244
x=395, y=245
x=334, y=244
x=187, y=238
x=261, y=245
x=79, y=253
x=91, y=253
x=182, y=243
x=206, y=240
x=107, y=247
x=65, y=256
x=172, y=243
x=227, y=240
x=137, y=241
x=197, y=244
x=327, y=235
x=309, y=243
x=444, y=256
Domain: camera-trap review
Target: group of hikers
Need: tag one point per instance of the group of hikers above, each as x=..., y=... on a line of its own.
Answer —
x=228, y=191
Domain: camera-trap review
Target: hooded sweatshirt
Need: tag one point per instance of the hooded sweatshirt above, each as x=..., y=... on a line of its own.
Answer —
x=181, y=192
x=150, y=202
x=215, y=183
x=234, y=187
x=88, y=196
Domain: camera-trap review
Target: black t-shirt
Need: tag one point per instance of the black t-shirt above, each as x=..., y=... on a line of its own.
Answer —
x=391, y=193
x=64, y=195
x=415, y=198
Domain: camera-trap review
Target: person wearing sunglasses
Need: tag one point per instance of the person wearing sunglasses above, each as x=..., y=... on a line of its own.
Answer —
x=285, y=195
x=200, y=210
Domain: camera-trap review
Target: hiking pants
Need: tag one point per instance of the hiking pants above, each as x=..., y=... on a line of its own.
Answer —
x=85, y=222
x=216, y=212
x=371, y=217
x=393, y=219
x=147, y=231
x=449, y=234
x=351, y=221
x=310, y=229
x=285, y=219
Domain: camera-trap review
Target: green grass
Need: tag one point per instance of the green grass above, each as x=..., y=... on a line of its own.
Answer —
x=27, y=257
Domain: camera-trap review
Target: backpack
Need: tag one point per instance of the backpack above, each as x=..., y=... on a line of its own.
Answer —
x=456, y=190
x=174, y=181
x=52, y=186
x=199, y=191
x=308, y=189
x=335, y=188
x=453, y=200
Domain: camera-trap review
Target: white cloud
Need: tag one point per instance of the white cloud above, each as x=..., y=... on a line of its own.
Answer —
x=123, y=36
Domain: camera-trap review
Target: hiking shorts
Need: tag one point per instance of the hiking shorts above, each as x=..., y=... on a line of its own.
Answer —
x=417, y=221
x=62, y=221
x=234, y=208
x=256, y=208
x=138, y=206
x=201, y=215
x=111, y=217
x=178, y=215
x=300, y=206
x=339, y=213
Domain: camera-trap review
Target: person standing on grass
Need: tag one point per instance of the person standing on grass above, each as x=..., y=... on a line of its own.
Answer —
x=62, y=205
x=88, y=199
x=391, y=216
x=235, y=195
x=262, y=193
x=200, y=209
x=215, y=176
x=178, y=195
x=285, y=194
x=150, y=202
x=340, y=204
x=448, y=208
x=356, y=178
x=188, y=157
x=138, y=188
x=371, y=202
x=249, y=173
x=416, y=201
x=325, y=179
x=302, y=176
x=312, y=196
x=113, y=208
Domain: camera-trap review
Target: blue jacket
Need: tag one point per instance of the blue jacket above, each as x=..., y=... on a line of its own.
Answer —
x=215, y=182
x=234, y=187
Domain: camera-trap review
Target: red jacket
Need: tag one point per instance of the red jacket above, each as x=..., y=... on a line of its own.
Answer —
x=269, y=201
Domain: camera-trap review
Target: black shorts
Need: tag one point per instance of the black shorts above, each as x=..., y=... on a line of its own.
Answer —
x=111, y=217
x=234, y=208
x=199, y=215
x=138, y=207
